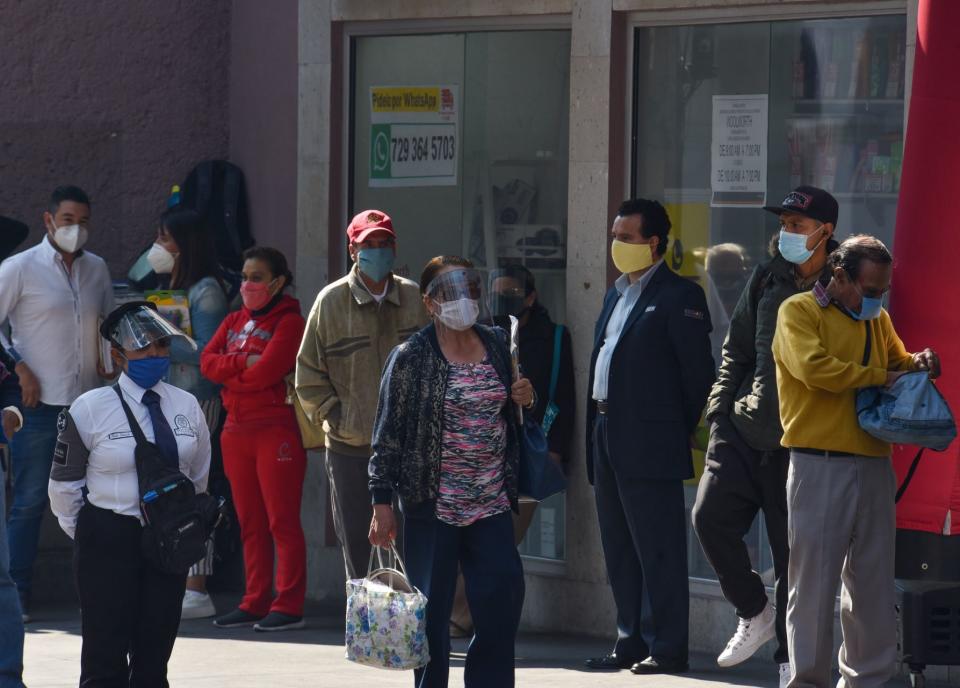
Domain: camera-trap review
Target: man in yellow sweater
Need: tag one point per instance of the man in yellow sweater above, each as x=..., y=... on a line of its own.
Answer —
x=829, y=343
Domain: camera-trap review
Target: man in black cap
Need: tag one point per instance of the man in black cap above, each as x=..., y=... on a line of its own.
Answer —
x=746, y=468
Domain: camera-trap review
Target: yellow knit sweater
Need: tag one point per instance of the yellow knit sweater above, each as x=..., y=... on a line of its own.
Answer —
x=818, y=352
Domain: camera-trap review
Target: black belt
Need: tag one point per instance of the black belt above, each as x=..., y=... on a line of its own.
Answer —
x=603, y=407
x=820, y=452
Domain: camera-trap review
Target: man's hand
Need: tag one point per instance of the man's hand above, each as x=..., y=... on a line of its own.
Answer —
x=929, y=361
x=251, y=359
x=29, y=385
x=556, y=458
x=893, y=376
x=11, y=423
x=383, y=526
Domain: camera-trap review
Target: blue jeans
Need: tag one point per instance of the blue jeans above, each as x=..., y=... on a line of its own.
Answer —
x=493, y=578
x=11, y=623
x=32, y=457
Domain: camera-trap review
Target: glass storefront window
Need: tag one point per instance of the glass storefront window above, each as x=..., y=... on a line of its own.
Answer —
x=825, y=107
x=462, y=138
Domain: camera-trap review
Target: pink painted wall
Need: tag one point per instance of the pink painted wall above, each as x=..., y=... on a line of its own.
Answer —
x=263, y=116
x=121, y=99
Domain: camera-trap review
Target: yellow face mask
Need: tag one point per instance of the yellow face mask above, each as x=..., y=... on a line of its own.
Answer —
x=631, y=257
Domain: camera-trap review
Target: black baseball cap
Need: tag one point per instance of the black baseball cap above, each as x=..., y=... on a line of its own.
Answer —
x=810, y=202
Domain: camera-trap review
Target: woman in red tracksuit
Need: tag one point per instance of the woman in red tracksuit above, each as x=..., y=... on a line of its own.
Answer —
x=250, y=355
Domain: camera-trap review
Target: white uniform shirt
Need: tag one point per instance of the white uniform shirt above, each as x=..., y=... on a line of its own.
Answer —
x=95, y=449
x=54, y=316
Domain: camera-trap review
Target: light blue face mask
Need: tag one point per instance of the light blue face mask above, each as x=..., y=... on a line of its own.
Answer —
x=793, y=247
x=870, y=307
x=376, y=263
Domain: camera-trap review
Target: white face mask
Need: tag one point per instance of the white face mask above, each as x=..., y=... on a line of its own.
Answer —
x=460, y=314
x=161, y=260
x=70, y=238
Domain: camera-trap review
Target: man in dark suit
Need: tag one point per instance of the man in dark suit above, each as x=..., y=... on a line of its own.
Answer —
x=649, y=377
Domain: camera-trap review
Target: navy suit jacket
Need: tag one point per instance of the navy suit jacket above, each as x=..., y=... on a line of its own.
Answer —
x=661, y=372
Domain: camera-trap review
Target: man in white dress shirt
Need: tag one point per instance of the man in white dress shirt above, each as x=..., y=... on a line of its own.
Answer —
x=54, y=295
x=130, y=608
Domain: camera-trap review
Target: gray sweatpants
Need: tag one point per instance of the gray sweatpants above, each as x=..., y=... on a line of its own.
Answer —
x=842, y=526
x=352, y=509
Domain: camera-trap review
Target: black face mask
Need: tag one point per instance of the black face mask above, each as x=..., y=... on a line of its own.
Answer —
x=509, y=304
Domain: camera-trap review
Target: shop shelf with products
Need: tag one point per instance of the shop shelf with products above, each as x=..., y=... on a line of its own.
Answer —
x=846, y=130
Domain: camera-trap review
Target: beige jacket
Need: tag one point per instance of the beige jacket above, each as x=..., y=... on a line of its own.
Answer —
x=344, y=348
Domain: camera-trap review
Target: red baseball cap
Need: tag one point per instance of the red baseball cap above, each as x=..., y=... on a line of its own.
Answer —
x=366, y=223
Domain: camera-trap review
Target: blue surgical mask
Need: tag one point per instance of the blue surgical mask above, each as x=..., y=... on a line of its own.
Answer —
x=376, y=263
x=870, y=307
x=793, y=247
x=147, y=372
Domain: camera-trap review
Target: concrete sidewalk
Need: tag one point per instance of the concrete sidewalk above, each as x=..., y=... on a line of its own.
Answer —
x=205, y=657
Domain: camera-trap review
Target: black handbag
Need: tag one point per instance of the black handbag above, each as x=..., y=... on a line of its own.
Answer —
x=177, y=521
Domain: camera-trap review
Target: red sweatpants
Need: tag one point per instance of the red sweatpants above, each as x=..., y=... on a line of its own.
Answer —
x=266, y=465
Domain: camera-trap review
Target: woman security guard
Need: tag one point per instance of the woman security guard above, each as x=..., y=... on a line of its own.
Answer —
x=130, y=609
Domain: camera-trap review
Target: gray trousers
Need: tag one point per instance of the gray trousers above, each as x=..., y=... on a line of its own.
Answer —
x=842, y=527
x=352, y=509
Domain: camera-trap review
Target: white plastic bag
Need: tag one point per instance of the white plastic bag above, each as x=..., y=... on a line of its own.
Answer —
x=386, y=624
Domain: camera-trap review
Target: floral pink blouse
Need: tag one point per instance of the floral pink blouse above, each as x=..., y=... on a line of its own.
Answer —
x=474, y=442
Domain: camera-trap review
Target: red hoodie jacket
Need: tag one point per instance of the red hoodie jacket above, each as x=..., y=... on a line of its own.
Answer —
x=257, y=393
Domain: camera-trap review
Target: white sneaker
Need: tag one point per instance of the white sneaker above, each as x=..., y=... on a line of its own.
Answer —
x=197, y=605
x=786, y=675
x=750, y=636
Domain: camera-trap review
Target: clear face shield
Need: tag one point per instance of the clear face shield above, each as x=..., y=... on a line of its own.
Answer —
x=458, y=299
x=136, y=326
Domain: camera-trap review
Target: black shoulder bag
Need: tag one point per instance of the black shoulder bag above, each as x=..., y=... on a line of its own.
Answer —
x=177, y=520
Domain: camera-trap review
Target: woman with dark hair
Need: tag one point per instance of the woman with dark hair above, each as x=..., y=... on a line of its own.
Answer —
x=251, y=355
x=447, y=441
x=184, y=253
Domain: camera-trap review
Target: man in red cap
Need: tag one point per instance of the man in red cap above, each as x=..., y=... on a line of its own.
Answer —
x=353, y=325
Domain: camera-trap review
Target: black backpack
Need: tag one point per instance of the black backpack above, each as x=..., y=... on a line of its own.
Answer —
x=216, y=189
x=177, y=520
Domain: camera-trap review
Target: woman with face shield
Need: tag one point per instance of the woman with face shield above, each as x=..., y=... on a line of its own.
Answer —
x=446, y=440
x=129, y=605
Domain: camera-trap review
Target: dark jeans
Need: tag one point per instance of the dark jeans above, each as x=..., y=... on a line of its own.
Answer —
x=32, y=456
x=643, y=532
x=494, y=582
x=129, y=609
x=11, y=621
x=738, y=482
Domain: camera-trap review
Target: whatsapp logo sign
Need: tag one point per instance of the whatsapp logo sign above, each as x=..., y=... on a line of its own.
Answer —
x=380, y=151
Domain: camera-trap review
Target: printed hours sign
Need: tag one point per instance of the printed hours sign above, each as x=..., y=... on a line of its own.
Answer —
x=414, y=135
x=738, y=158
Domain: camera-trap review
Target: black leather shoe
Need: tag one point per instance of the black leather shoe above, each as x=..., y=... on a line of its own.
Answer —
x=652, y=665
x=608, y=663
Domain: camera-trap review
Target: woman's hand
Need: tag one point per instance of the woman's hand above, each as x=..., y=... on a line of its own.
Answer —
x=383, y=526
x=522, y=392
x=251, y=359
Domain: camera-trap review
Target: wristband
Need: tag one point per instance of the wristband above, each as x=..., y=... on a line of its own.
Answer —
x=14, y=410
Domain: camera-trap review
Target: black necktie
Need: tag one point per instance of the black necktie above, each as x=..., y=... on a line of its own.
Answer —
x=163, y=435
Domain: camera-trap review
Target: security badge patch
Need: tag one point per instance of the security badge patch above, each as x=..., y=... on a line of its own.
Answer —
x=61, y=450
x=182, y=426
x=693, y=313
